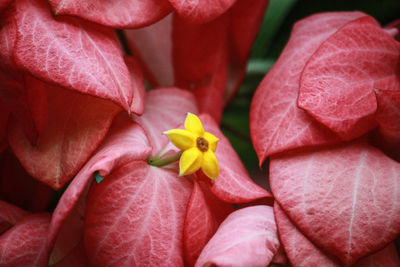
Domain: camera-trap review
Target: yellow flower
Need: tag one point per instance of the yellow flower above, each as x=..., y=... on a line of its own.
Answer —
x=198, y=148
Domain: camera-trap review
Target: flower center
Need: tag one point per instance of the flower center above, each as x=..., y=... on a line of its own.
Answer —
x=202, y=144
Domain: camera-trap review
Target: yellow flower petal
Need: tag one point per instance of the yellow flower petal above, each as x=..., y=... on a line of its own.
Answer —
x=212, y=140
x=182, y=139
x=210, y=165
x=193, y=124
x=190, y=161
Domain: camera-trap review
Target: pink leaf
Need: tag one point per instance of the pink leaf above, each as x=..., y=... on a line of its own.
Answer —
x=354, y=187
x=72, y=53
x=24, y=244
x=200, y=56
x=10, y=215
x=75, y=126
x=116, y=14
x=204, y=214
x=201, y=11
x=138, y=81
x=153, y=47
x=247, y=237
x=135, y=217
x=337, y=82
x=276, y=123
x=233, y=184
x=165, y=109
x=125, y=142
x=388, y=112
x=302, y=252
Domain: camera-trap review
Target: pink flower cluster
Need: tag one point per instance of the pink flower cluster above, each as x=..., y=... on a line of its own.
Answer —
x=74, y=108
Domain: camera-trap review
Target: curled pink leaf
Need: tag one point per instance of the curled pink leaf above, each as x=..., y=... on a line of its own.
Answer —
x=72, y=53
x=116, y=14
x=276, y=123
x=201, y=11
x=337, y=82
x=71, y=134
x=247, y=237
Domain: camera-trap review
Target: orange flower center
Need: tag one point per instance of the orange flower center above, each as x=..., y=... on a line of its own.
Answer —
x=202, y=144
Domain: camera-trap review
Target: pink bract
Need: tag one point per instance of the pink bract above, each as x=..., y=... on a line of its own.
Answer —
x=352, y=186
x=247, y=237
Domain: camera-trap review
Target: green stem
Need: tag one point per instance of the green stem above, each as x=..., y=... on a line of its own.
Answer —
x=164, y=161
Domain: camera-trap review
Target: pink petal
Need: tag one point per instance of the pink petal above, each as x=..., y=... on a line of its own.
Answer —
x=10, y=215
x=124, y=143
x=302, y=252
x=135, y=217
x=72, y=133
x=247, y=237
x=24, y=244
x=153, y=47
x=116, y=14
x=233, y=184
x=337, y=82
x=388, y=112
x=138, y=80
x=204, y=214
x=72, y=53
x=165, y=109
x=276, y=123
x=201, y=11
x=354, y=187
x=200, y=56
x=4, y=4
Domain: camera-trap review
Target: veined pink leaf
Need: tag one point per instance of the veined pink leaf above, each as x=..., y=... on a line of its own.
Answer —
x=337, y=82
x=75, y=126
x=233, y=184
x=28, y=105
x=19, y=188
x=354, y=187
x=116, y=14
x=24, y=244
x=302, y=252
x=138, y=81
x=247, y=237
x=388, y=112
x=276, y=123
x=153, y=47
x=125, y=142
x=72, y=53
x=10, y=215
x=135, y=217
x=201, y=11
x=165, y=109
x=204, y=213
x=200, y=58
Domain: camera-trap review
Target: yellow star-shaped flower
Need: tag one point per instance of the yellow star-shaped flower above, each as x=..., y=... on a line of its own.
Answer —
x=198, y=148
